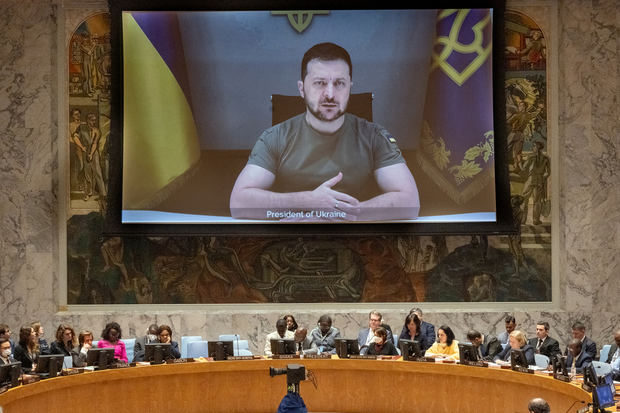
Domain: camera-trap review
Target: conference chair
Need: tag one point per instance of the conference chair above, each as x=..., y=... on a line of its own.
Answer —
x=601, y=368
x=198, y=349
x=185, y=340
x=604, y=353
x=284, y=107
x=542, y=361
x=130, y=344
x=241, y=347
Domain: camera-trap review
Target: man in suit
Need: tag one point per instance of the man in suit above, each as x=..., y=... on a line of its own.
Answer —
x=577, y=356
x=150, y=337
x=487, y=347
x=5, y=352
x=366, y=335
x=426, y=329
x=5, y=332
x=511, y=324
x=579, y=333
x=614, y=351
x=542, y=343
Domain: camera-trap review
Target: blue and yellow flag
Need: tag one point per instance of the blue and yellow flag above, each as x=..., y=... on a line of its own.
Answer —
x=457, y=150
x=160, y=140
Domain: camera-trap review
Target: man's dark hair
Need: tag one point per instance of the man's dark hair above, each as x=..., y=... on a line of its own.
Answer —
x=473, y=334
x=578, y=325
x=510, y=319
x=538, y=405
x=4, y=340
x=544, y=324
x=4, y=328
x=326, y=52
x=153, y=329
x=281, y=323
x=325, y=319
x=449, y=334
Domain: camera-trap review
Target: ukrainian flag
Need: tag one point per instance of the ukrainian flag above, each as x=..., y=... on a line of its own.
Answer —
x=457, y=140
x=160, y=140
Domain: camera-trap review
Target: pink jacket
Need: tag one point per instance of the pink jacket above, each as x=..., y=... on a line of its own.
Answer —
x=119, y=349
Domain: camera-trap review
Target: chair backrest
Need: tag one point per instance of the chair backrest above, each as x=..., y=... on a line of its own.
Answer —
x=198, y=349
x=185, y=340
x=229, y=337
x=130, y=343
x=542, y=361
x=601, y=368
x=285, y=107
x=604, y=353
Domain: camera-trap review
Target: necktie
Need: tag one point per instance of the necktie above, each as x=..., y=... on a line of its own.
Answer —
x=539, y=344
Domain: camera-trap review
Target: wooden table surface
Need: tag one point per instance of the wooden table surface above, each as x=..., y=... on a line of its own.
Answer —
x=342, y=386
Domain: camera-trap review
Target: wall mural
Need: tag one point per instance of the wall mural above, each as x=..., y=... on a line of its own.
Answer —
x=192, y=270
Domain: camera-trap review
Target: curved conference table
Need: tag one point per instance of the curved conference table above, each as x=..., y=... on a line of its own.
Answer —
x=342, y=386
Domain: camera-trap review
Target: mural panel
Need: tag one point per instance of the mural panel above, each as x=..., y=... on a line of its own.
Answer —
x=193, y=270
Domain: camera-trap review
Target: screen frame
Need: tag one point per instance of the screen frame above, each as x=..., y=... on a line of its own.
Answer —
x=113, y=225
x=151, y=352
x=227, y=347
x=94, y=356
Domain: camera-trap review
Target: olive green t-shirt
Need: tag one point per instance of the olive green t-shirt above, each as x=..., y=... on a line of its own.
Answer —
x=302, y=158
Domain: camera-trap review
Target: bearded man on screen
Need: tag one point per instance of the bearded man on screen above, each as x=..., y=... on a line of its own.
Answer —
x=315, y=166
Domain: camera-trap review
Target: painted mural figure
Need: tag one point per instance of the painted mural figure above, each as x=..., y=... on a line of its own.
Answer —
x=86, y=48
x=534, y=54
x=514, y=241
x=520, y=130
x=76, y=147
x=89, y=135
x=538, y=170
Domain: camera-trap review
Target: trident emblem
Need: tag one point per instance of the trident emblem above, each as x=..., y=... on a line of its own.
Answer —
x=299, y=19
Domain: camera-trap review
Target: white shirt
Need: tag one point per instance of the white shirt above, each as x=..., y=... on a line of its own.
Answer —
x=288, y=334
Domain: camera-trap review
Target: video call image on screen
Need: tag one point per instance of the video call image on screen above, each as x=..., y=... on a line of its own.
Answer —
x=219, y=126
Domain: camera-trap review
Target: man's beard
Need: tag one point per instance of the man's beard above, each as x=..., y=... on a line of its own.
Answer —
x=320, y=116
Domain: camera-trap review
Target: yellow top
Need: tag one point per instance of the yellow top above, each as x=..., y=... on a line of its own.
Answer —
x=441, y=349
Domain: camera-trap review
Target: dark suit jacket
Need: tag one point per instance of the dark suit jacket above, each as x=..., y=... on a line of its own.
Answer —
x=174, y=350
x=11, y=360
x=19, y=354
x=550, y=347
x=426, y=329
x=139, y=354
x=420, y=338
x=491, y=347
x=388, y=349
x=529, y=354
x=612, y=351
x=587, y=345
x=582, y=361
